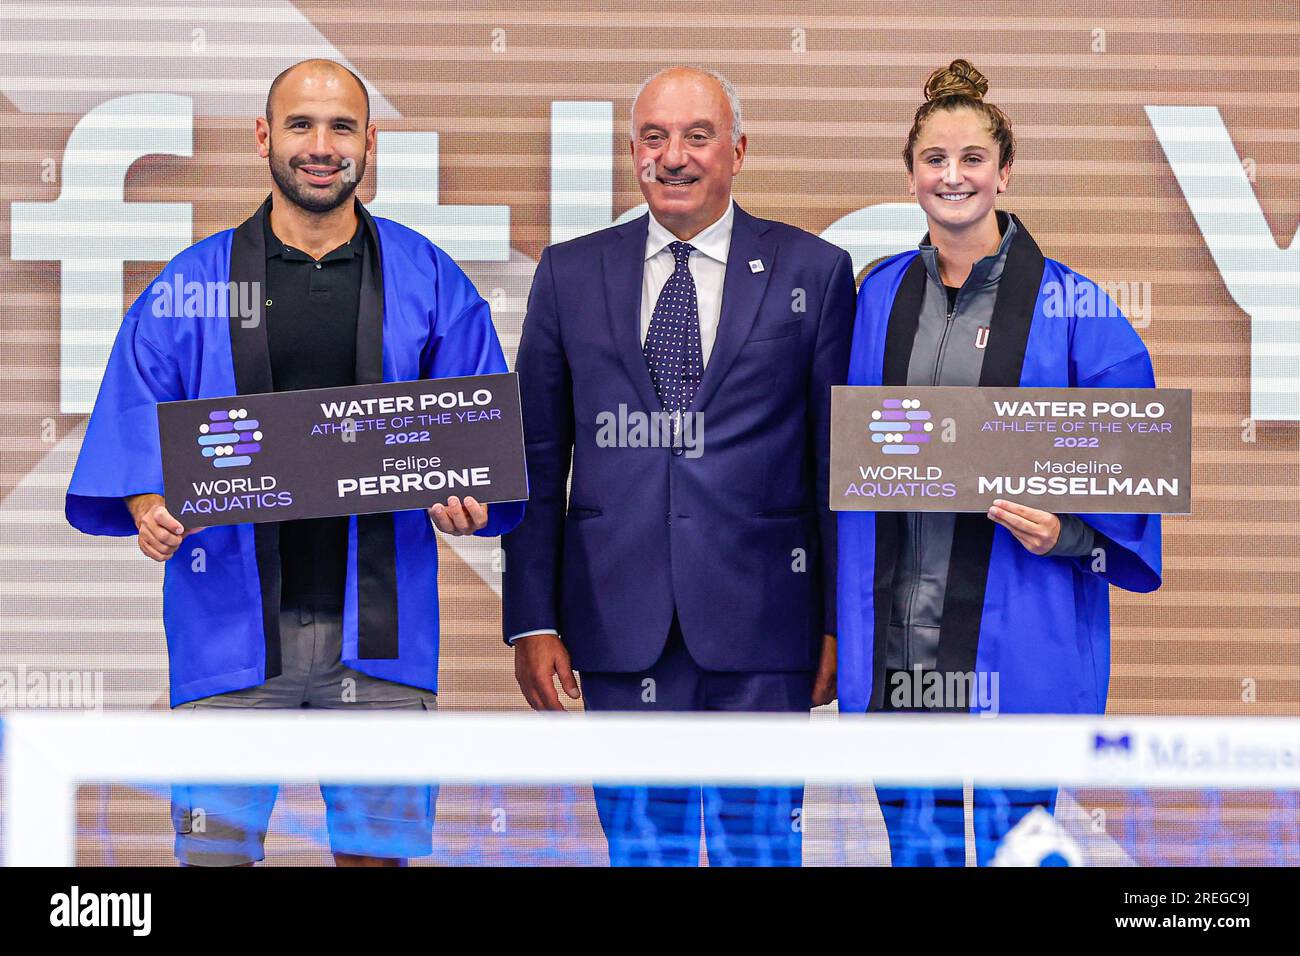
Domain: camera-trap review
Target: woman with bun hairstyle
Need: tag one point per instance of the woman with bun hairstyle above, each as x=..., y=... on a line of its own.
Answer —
x=1016, y=601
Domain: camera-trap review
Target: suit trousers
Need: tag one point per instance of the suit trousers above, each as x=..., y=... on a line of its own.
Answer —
x=660, y=826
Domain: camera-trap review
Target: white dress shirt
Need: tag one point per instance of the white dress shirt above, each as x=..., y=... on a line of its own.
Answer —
x=708, y=265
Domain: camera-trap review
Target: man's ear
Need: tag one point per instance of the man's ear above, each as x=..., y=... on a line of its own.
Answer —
x=738, y=154
x=1004, y=178
x=262, y=135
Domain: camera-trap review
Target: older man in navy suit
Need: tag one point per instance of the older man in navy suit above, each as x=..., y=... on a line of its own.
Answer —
x=682, y=363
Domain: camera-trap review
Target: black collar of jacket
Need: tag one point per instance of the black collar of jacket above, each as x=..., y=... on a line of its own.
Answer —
x=377, y=636
x=275, y=246
x=1013, y=313
x=972, y=543
x=985, y=272
x=248, y=343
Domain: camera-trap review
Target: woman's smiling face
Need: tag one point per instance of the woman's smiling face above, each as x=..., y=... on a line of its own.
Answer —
x=955, y=175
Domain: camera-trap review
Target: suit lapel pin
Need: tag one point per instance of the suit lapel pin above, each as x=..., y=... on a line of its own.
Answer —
x=755, y=265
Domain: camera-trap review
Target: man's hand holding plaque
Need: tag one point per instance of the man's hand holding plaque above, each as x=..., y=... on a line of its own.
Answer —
x=457, y=517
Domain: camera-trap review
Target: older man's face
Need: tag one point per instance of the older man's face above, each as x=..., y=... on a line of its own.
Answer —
x=681, y=145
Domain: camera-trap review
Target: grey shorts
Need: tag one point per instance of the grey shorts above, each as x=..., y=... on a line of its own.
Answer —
x=226, y=825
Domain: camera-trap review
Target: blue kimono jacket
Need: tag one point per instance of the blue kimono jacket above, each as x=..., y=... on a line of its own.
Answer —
x=419, y=316
x=1041, y=623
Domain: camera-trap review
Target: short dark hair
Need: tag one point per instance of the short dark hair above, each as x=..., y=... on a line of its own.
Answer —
x=285, y=72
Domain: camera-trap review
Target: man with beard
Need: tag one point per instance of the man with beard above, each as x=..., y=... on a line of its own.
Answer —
x=300, y=613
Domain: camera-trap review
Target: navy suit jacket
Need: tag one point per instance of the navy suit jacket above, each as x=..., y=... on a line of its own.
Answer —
x=739, y=540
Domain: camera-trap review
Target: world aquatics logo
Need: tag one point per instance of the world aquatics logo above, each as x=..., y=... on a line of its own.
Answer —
x=230, y=438
x=900, y=426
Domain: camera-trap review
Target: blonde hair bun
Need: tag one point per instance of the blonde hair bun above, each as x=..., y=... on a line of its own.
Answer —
x=958, y=78
x=960, y=86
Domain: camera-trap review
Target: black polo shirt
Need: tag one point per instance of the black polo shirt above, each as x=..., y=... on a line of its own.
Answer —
x=311, y=331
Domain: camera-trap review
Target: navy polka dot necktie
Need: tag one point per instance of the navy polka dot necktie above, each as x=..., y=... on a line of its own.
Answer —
x=672, y=346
